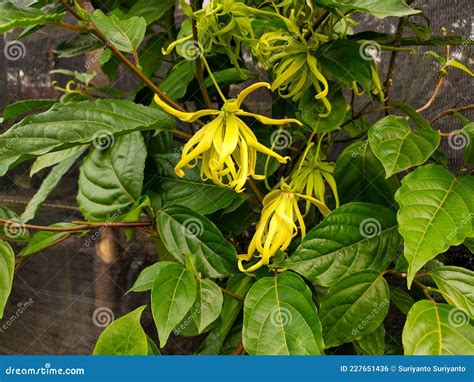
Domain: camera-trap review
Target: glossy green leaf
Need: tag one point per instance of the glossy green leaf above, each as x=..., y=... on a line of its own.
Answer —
x=77, y=45
x=238, y=284
x=184, y=232
x=402, y=300
x=360, y=177
x=126, y=35
x=354, y=237
x=373, y=343
x=7, y=267
x=124, y=336
x=45, y=239
x=12, y=16
x=173, y=295
x=205, y=310
x=74, y=124
x=342, y=58
x=151, y=11
x=437, y=329
x=466, y=140
x=311, y=109
x=280, y=318
x=178, y=79
x=435, y=213
x=354, y=307
x=399, y=148
x=26, y=106
x=51, y=159
x=458, y=284
x=190, y=191
x=111, y=180
x=48, y=185
x=378, y=8
x=146, y=278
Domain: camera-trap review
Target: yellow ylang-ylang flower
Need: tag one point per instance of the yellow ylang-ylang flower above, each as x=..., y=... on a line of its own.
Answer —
x=312, y=175
x=278, y=224
x=226, y=146
x=294, y=66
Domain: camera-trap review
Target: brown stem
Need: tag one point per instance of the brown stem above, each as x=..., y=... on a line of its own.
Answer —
x=239, y=349
x=233, y=295
x=433, y=97
x=199, y=67
x=453, y=111
x=391, y=65
x=71, y=10
x=74, y=28
x=84, y=226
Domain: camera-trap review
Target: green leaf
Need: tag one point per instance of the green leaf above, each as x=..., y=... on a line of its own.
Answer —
x=26, y=106
x=125, y=35
x=311, y=109
x=373, y=343
x=229, y=76
x=44, y=239
x=111, y=180
x=48, y=185
x=437, y=329
x=378, y=8
x=280, y=318
x=14, y=228
x=205, y=310
x=124, y=336
x=73, y=124
x=190, y=191
x=402, y=300
x=178, y=79
x=458, y=284
x=354, y=237
x=12, y=16
x=151, y=11
x=146, y=278
x=399, y=148
x=465, y=139
x=152, y=348
x=173, y=295
x=238, y=284
x=7, y=267
x=184, y=232
x=354, y=307
x=435, y=213
x=360, y=177
x=50, y=159
x=342, y=58
x=77, y=45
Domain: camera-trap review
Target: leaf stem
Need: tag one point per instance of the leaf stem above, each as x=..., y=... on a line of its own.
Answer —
x=452, y=111
x=233, y=295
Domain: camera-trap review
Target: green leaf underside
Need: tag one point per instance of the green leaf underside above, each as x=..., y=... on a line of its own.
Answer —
x=397, y=147
x=190, y=191
x=458, y=284
x=437, y=329
x=280, y=318
x=378, y=8
x=78, y=123
x=12, y=16
x=111, y=180
x=7, y=266
x=360, y=177
x=146, y=278
x=184, y=231
x=124, y=336
x=126, y=35
x=354, y=307
x=354, y=237
x=173, y=294
x=435, y=213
